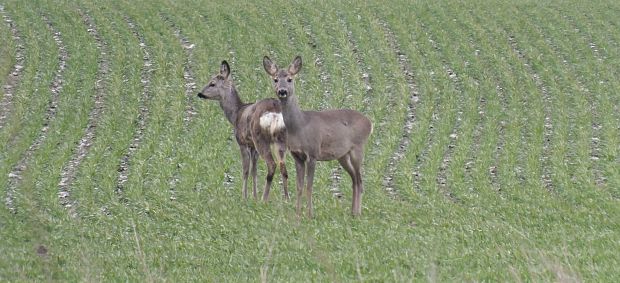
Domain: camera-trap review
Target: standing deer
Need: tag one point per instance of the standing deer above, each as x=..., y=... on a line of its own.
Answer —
x=320, y=135
x=257, y=127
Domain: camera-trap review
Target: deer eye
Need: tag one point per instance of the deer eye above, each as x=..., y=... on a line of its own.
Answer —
x=289, y=80
x=275, y=80
x=211, y=84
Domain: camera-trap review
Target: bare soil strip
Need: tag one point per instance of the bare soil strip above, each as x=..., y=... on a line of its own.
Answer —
x=50, y=114
x=14, y=76
x=600, y=56
x=190, y=91
x=70, y=169
x=548, y=125
x=188, y=73
x=363, y=68
x=441, y=178
x=596, y=126
x=595, y=144
x=145, y=78
x=501, y=140
x=405, y=140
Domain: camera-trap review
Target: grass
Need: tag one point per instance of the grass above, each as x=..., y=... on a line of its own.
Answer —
x=177, y=218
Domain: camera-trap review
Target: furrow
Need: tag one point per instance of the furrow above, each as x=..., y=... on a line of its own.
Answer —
x=500, y=92
x=362, y=66
x=410, y=118
x=483, y=120
x=591, y=44
x=190, y=87
x=50, y=114
x=15, y=75
x=188, y=73
x=441, y=178
x=595, y=124
x=319, y=62
x=501, y=140
x=477, y=135
x=145, y=78
x=548, y=125
x=69, y=171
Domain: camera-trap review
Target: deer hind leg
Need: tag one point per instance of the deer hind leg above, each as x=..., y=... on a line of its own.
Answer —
x=245, y=163
x=347, y=164
x=254, y=159
x=281, y=154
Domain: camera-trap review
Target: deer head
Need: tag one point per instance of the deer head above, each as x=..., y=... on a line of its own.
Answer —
x=283, y=78
x=219, y=86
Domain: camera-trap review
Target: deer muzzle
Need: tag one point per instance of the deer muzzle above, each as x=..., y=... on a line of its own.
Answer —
x=282, y=93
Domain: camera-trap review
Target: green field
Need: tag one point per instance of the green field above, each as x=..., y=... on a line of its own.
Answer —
x=495, y=154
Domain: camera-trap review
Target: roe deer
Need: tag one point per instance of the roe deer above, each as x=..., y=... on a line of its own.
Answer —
x=320, y=135
x=258, y=126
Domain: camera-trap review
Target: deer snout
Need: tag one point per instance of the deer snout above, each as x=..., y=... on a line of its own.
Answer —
x=282, y=93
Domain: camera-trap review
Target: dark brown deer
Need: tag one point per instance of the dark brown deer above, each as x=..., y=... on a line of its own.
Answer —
x=258, y=126
x=320, y=135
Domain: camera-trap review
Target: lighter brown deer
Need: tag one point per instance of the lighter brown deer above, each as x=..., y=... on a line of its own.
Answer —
x=320, y=135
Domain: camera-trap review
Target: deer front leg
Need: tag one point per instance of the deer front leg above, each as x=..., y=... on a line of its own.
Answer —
x=310, y=166
x=245, y=163
x=300, y=169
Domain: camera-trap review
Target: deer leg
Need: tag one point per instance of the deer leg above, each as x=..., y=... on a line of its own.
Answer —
x=300, y=170
x=310, y=164
x=245, y=162
x=281, y=148
x=346, y=163
x=265, y=153
x=357, y=158
x=254, y=158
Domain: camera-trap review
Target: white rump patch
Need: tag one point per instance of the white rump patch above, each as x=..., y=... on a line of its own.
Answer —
x=271, y=121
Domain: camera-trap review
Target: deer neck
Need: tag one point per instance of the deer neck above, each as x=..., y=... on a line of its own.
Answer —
x=293, y=115
x=231, y=104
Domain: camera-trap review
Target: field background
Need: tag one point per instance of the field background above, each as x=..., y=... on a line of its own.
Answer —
x=494, y=157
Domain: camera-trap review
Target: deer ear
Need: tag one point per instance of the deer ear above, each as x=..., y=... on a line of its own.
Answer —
x=225, y=69
x=269, y=66
x=295, y=66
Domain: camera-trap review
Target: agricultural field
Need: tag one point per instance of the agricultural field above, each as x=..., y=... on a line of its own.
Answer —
x=495, y=154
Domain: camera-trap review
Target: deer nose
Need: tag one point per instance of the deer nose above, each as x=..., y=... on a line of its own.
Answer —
x=282, y=93
x=201, y=95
